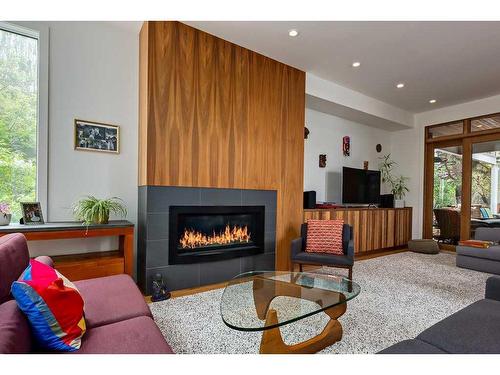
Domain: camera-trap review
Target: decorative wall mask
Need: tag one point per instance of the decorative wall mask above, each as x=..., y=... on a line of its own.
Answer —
x=322, y=160
x=346, y=146
x=378, y=147
x=306, y=132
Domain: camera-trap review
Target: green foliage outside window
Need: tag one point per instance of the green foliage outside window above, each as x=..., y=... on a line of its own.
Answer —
x=18, y=119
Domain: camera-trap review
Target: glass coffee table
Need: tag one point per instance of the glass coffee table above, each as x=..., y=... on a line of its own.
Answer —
x=264, y=301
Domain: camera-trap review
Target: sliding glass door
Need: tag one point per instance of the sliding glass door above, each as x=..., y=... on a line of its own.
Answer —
x=444, y=176
x=484, y=185
x=461, y=187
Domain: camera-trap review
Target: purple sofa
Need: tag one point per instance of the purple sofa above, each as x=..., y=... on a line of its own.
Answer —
x=118, y=319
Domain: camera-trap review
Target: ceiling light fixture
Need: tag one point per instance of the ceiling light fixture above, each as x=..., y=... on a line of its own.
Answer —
x=293, y=33
x=432, y=101
x=356, y=64
x=400, y=85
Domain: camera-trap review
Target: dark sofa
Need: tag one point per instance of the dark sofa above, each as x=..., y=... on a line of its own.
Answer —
x=472, y=330
x=117, y=317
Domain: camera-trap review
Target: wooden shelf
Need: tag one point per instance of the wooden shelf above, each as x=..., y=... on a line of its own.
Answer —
x=90, y=265
x=85, y=265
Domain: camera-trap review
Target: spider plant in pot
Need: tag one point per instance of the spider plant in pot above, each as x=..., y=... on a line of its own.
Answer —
x=92, y=210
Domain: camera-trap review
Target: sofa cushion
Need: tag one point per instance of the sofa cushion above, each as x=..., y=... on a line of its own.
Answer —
x=323, y=259
x=474, y=329
x=111, y=299
x=15, y=334
x=14, y=258
x=412, y=347
x=133, y=336
x=324, y=236
x=493, y=252
x=52, y=305
x=487, y=234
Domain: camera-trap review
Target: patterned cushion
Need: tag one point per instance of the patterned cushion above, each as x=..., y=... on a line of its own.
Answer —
x=324, y=236
x=52, y=305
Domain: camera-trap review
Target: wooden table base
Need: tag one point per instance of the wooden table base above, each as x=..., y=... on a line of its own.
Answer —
x=264, y=291
x=272, y=342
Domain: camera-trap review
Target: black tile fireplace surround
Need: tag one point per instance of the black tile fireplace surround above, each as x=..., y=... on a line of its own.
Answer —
x=235, y=208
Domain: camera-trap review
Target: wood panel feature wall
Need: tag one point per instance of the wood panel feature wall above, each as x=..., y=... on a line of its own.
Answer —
x=373, y=228
x=214, y=114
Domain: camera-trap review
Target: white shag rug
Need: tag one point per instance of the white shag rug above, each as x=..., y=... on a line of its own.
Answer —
x=401, y=295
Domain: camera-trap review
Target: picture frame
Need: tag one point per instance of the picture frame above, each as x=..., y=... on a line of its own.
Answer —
x=32, y=213
x=96, y=136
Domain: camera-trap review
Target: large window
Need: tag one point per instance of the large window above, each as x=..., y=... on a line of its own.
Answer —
x=19, y=90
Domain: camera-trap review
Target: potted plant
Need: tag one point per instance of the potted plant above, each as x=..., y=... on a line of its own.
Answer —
x=396, y=183
x=92, y=210
x=5, y=214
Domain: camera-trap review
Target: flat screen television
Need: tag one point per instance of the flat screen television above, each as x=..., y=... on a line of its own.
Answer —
x=360, y=186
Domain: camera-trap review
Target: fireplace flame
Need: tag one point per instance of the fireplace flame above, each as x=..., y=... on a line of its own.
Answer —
x=191, y=239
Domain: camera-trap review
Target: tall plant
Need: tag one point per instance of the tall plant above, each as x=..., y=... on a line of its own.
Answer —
x=397, y=183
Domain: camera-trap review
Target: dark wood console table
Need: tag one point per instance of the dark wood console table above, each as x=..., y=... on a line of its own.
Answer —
x=86, y=265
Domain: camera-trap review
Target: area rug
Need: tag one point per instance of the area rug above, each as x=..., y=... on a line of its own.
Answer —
x=401, y=295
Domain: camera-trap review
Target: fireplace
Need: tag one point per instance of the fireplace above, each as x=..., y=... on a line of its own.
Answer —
x=208, y=233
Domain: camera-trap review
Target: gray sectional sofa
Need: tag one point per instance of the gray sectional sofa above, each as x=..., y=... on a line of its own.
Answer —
x=484, y=260
x=472, y=330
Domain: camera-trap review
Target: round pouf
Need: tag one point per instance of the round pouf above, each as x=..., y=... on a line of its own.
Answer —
x=423, y=246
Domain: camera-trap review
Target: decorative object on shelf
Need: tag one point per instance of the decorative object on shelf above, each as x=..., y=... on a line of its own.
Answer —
x=322, y=160
x=32, y=213
x=365, y=165
x=92, y=210
x=160, y=292
x=96, y=136
x=397, y=183
x=378, y=147
x=346, y=145
x=306, y=132
x=5, y=214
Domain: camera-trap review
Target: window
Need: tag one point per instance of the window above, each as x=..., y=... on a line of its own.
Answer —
x=19, y=116
x=445, y=130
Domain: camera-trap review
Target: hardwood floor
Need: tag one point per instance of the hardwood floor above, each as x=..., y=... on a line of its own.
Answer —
x=206, y=288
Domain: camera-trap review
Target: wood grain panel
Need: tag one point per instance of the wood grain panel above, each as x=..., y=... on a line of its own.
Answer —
x=219, y=115
x=374, y=229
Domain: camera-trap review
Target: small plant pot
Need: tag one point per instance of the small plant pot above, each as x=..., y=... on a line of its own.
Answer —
x=399, y=203
x=5, y=219
x=104, y=220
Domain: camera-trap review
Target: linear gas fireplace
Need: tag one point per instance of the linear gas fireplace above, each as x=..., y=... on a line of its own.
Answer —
x=208, y=233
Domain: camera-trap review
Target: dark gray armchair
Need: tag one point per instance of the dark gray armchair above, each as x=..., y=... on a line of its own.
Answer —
x=300, y=256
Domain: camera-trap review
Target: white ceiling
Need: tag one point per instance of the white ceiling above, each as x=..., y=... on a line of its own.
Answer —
x=452, y=62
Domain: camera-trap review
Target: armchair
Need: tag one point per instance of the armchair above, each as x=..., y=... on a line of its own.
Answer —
x=300, y=256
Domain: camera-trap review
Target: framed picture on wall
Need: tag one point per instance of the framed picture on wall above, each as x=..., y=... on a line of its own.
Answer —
x=96, y=136
x=32, y=213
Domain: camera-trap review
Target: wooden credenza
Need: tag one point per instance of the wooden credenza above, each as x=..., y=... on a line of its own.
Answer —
x=373, y=228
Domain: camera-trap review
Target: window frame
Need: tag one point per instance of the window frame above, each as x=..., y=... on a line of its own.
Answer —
x=41, y=33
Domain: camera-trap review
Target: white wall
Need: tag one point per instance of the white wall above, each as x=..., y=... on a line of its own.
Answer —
x=408, y=147
x=93, y=75
x=325, y=137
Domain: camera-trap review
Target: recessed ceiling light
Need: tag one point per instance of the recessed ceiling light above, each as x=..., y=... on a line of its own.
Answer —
x=432, y=101
x=400, y=85
x=356, y=64
x=293, y=33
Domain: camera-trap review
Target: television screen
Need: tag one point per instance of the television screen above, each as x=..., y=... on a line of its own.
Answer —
x=360, y=186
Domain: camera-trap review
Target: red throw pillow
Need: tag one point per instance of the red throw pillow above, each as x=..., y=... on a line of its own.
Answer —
x=324, y=236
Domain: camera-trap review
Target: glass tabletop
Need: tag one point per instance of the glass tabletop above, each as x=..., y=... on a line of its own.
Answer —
x=293, y=295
